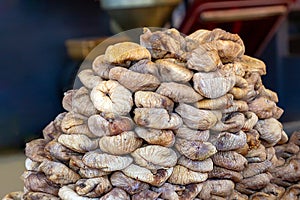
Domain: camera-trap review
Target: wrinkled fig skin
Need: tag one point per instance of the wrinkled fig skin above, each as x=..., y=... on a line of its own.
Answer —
x=39, y=196
x=111, y=98
x=183, y=176
x=132, y=186
x=148, y=99
x=157, y=118
x=230, y=160
x=191, y=134
x=172, y=117
x=134, y=81
x=106, y=162
x=197, y=119
x=223, y=173
x=155, y=157
x=121, y=144
x=38, y=182
x=172, y=71
x=88, y=78
x=164, y=138
x=195, y=150
x=179, y=92
x=58, y=173
x=123, y=52
x=35, y=150
x=222, y=188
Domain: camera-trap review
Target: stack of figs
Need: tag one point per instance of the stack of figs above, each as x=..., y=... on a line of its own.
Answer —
x=174, y=117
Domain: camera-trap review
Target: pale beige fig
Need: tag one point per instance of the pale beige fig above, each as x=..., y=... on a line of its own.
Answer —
x=253, y=169
x=200, y=35
x=219, y=103
x=192, y=134
x=78, y=142
x=145, y=66
x=134, y=81
x=223, y=173
x=121, y=144
x=38, y=182
x=116, y=194
x=195, y=150
x=155, y=157
x=236, y=67
x=75, y=162
x=145, y=175
x=257, y=182
x=39, y=195
x=203, y=59
x=197, y=118
x=124, y=52
x=269, y=130
x=269, y=94
x=251, y=120
x=101, y=67
x=170, y=70
x=31, y=165
x=68, y=99
x=179, y=92
x=166, y=43
x=227, y=141
x=35, y=150
x=53, y=129
x=56, y=150
x=88, y=78
x=253, y=79
x=292, y=192
x=147, y=99
x=183, y=176
x=58, y=173
x=157, y=118
x=233, y=123
x=111, y=98
x=164, y=138
x=257, y=154
x=213, y=84
x=251, y=64
x=246, y=94
x=98, y=125
x=120, y=124
x=132, y=186
x=196, y=165
x=263, y=108
x=93, y=187
x=67, y=193
x=222, y=188
x=106, y=162
x=169, y=191
x=75, y=123
x=146, y=194
x=230, y=160
x=284, y=138
x=237, y=105
x=14, y=196
x=82, y=103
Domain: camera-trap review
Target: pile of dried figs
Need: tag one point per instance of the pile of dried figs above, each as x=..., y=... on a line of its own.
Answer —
x=174, y=117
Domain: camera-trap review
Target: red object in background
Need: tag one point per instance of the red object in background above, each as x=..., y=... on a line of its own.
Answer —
x=255, y=21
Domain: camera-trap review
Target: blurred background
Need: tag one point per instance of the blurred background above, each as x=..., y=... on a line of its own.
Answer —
x=43, y=43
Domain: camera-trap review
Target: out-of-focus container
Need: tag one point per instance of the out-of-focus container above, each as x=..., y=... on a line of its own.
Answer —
x=128, y=14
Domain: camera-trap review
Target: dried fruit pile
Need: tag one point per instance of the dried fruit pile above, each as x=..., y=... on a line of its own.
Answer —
x=173, y=117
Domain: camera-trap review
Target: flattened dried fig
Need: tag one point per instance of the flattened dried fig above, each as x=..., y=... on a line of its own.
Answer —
x=183, y=176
